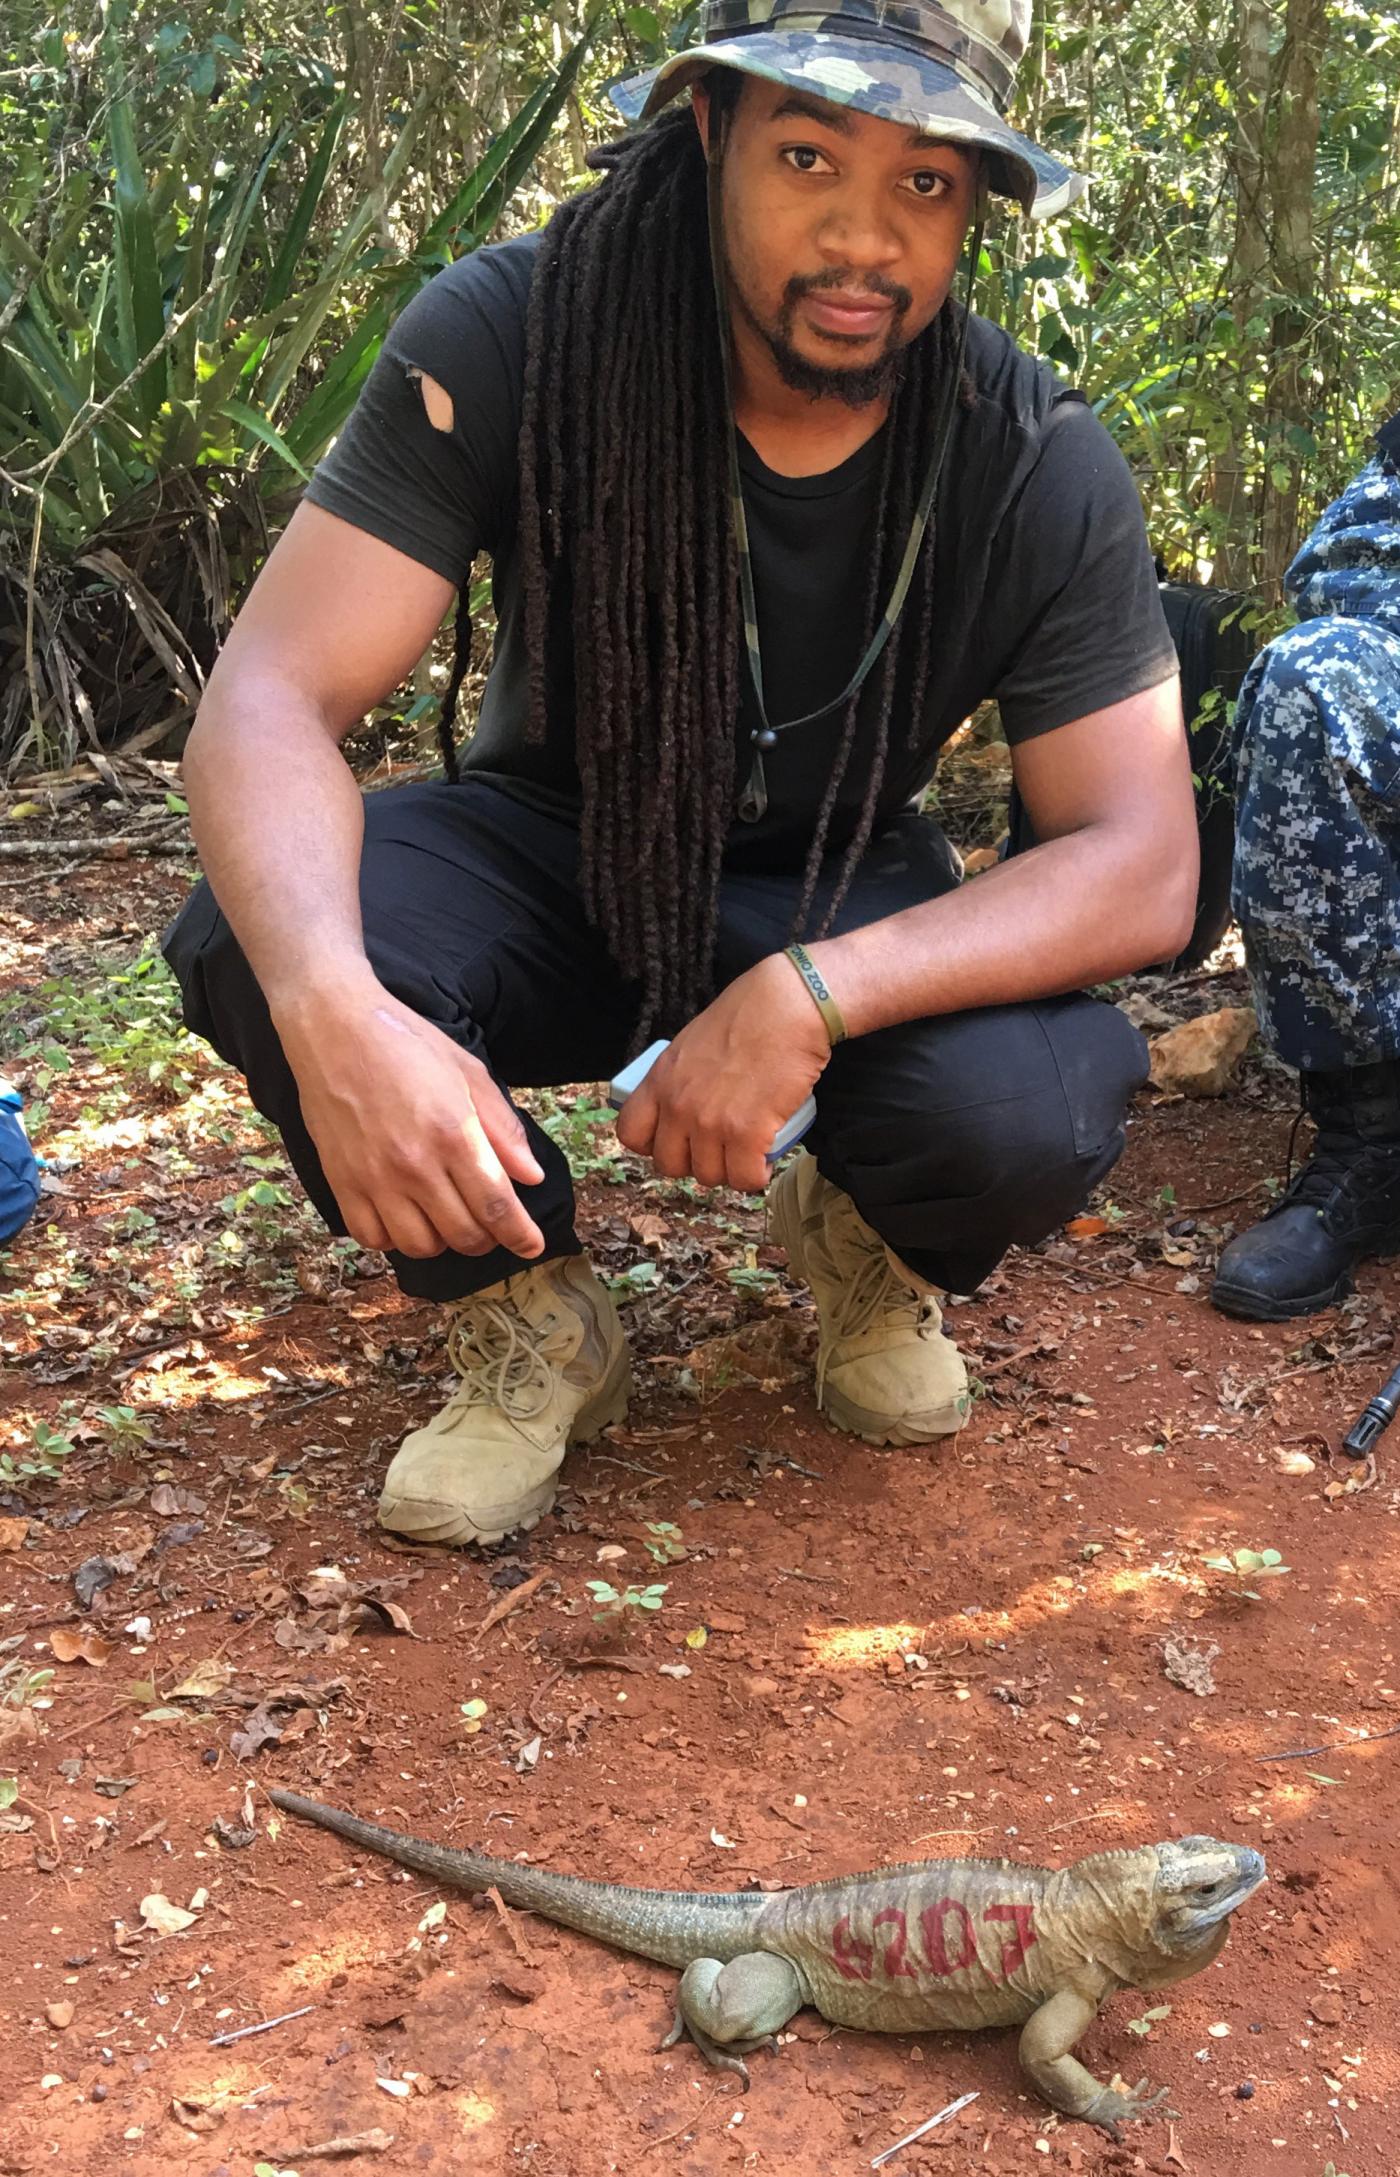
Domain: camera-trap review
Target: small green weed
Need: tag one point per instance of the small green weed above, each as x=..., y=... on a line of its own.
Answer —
x=584, y=1129
x=666, y=1544
x=19, y=1685
x=128, y=1019
x=123, y=1425
x=44, y=1460
x=643, y=1277
x=1244, y=1565
x=625, y=1609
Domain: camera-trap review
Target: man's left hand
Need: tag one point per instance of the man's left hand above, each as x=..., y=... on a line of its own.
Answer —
x=712, y=1103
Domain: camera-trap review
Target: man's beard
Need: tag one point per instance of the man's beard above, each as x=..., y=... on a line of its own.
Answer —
x=859, y=384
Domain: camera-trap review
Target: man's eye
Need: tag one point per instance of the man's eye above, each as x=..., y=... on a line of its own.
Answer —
x=805, y=157
x=927, y=184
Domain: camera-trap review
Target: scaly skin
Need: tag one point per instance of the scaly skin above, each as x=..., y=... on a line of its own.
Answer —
x=933, y=1944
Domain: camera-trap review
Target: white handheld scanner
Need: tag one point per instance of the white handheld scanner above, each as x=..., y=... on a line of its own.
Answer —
x=632, y=1077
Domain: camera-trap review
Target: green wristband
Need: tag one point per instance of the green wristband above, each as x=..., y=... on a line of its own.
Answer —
x=826, y=1005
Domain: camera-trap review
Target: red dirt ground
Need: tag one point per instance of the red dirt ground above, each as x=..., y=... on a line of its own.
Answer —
x=924, y=1652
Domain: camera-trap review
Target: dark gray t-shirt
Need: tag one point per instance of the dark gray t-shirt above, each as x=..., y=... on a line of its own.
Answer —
x=1046, y=597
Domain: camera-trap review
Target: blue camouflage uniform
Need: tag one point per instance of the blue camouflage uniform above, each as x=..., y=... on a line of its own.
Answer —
x=1317, y=782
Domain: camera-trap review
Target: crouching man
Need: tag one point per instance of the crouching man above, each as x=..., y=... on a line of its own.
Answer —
x=770, y=513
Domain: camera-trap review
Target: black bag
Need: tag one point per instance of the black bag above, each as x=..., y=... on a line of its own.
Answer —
x=1214, y=650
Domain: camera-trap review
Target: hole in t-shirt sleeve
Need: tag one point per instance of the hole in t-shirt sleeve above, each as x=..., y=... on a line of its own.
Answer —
x=436, y=399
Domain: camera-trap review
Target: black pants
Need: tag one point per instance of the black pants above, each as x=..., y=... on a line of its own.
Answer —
x=954, y=1136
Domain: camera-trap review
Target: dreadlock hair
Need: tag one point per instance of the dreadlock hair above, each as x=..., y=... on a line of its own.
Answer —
x=625, y=532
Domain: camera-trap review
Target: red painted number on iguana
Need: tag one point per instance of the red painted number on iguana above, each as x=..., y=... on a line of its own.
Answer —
x=896, y=1965
x=1016, y=1944
x=934, y=1921
x=950, y=1942
x=852, y=1958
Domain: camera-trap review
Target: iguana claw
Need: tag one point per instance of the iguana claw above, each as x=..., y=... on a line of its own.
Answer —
x=716, y=2056
x=1118, y=2103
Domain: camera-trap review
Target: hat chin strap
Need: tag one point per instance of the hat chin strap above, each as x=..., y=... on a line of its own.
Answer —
x=753, y=802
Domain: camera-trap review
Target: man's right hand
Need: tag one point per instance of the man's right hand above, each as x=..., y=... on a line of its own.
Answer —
x=419, y=1147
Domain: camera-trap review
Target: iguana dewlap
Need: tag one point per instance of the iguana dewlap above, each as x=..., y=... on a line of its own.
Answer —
x=929, y=1945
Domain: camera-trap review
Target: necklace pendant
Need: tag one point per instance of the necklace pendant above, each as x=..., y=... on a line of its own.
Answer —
x=765, y=737
x=753, y=802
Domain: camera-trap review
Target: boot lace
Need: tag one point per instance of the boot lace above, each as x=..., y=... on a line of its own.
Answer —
x=1341, y=1171
x=499, y=1354
x=873, y=1289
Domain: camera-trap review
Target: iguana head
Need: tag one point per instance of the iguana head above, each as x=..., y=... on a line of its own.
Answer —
x=1200, y=1881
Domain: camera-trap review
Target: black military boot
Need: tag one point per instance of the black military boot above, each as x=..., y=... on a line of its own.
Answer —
x=1343, y=1206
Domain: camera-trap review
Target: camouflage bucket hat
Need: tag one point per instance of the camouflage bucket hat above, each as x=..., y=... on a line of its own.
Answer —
x=944, y=66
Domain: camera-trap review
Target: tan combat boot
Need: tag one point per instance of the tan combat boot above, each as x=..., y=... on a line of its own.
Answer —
x=544, y=1364
x=885, y=1369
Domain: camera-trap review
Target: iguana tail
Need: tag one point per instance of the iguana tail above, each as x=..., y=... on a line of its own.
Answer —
x=672, y=1926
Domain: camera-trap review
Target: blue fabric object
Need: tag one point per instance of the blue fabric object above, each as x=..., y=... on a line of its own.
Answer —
x=19, y=1167
x=1317, y=791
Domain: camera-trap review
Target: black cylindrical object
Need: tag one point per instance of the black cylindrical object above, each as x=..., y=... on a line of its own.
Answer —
x=1364, y=1434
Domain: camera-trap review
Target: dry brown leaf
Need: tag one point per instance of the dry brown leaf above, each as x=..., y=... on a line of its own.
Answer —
x=324, y=1586
x=169, y=1503
x=1174, y=2153
x=650, y=1229
x=372, y=1609
x=513, y=1601
x=203, y=1682
x=1086, y=1228
x=196, y=2116
x=771, y=1351
x=163, y=1917
x=74, y=1644
x=12, y=1533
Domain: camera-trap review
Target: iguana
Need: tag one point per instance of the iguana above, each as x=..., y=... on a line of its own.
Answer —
x=929, y=1945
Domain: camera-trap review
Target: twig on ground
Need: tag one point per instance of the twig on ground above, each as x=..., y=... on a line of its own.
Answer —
x=694, y=2118
x=515, y=1599
x=1333, y=1746
x=264, y=2025
x=375, y=2142
x=920, y=2129
x=1100, y=1814
x=122, y=849
x=1199, y=1209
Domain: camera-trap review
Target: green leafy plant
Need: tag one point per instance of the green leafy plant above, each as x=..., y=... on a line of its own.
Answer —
x=126, y=1018
x=586, y=1132
x=19, y=1685
x=192, y=296
x=642, y=1277
x=44, y=1461
x=626, y=1608
x=123, y=1425
x=1244, y=1565
x=666, y=1544
x=1143, y=2026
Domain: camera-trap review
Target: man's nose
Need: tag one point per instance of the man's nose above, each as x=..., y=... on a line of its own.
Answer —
x=858, y=230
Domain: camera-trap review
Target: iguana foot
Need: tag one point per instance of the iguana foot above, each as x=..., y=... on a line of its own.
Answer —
x=1118, y=2103
x=730, y=2058
x=732, y=2009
